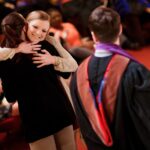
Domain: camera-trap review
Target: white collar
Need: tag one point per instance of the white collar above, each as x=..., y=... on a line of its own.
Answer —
x=102, y=53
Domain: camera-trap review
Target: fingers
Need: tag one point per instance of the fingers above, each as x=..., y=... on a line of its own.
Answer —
x=37, y=61
x=41, y=65
x=36, y=47
x=28, y=48
x=44, y=51
x=42, y=59
x=37, y=57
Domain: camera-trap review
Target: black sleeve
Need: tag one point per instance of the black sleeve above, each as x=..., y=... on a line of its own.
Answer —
x=9, y=92
x=65, y=75
x=7, y=83
x=136, y=84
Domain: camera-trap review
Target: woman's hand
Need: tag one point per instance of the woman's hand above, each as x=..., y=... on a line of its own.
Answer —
x=28, y=48
x=43, y=59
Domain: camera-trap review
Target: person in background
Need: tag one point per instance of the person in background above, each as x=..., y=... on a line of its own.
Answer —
x=66, y=31
x=135, y=16
x=78, y=11
x=33, y=82
x=6, y=6
x=110, y=90
x=70, y=38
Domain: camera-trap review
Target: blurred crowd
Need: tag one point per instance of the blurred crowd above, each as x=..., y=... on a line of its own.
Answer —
x=70, y=21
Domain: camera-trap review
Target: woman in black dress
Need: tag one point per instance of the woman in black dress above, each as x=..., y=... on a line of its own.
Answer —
x=45, y=110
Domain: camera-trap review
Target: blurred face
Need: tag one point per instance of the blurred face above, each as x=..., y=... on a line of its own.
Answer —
x=56, y=19
x=54, y=2
x=37, y=30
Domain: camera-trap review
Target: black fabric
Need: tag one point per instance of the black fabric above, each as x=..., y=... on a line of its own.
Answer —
x=44, y=106
x=131, y=126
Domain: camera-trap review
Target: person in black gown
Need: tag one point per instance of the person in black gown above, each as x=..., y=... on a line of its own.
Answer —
x=45, y=110
x=121, y=105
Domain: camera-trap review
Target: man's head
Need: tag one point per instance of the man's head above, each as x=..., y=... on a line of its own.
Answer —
x=105, y=25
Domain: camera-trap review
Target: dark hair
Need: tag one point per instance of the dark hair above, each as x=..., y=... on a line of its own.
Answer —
x=105, y=23
x=12, y=26
x=56, y=23
x=51, y=10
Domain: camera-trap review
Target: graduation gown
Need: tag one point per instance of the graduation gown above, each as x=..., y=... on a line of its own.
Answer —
x=43, y=104
x=130, y=127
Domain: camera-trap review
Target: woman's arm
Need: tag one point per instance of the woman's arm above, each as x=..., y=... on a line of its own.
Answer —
x=64, y=63
x=6, y=53
x=24, y=47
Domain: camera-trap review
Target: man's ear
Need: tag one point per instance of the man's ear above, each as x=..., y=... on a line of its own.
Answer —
x=94, y=37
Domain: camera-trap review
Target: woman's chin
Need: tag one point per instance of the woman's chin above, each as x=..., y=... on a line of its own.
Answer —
x=36, y=41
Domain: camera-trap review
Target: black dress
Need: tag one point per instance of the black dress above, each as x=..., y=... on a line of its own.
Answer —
x=44, y=106
x=130, y=128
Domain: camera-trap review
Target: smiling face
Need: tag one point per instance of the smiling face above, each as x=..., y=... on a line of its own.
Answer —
x=37, y=30
x=38, y=25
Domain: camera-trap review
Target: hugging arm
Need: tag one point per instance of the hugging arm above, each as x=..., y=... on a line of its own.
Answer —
x=6, y=53
x=65, y=62
x=24, y=47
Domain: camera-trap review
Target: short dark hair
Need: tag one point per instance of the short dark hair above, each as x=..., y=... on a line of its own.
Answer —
x=105, y=23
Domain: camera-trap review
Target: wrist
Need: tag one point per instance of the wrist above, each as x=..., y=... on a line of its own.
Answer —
x=57, y=61
x=17, y=50
x=12, y=52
